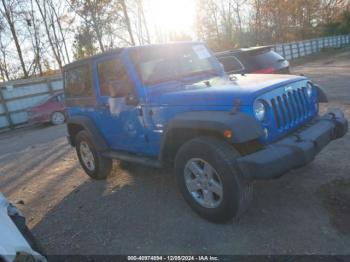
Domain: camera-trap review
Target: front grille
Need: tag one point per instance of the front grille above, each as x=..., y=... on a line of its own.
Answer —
x=290, y=108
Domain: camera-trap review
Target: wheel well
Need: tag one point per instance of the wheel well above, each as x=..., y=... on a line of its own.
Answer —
x=73, y=130
x=177, y=137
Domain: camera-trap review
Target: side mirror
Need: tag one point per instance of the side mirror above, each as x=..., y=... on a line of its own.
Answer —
x=131, y=100
x=120, y=88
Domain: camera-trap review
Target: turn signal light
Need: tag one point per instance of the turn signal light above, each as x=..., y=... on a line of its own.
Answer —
x=227, y=133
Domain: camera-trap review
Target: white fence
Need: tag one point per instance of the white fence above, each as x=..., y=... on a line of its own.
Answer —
x=17, y=96
x=298, y=49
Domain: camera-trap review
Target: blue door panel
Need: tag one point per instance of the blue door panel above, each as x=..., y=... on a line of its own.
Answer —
x=122, y=131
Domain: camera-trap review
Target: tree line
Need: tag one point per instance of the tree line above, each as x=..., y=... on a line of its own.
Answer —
x=39, y=37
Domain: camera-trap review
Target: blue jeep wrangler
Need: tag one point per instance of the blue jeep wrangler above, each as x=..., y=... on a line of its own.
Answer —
x=172, y=104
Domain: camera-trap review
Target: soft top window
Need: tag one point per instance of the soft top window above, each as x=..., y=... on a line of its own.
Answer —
x=113, y=78
x=78, y=81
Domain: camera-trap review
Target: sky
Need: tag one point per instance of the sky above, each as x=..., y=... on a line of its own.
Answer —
x=177, y=16
x=164, y=17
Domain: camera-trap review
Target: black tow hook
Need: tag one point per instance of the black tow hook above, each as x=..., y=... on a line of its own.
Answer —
x=298, y=138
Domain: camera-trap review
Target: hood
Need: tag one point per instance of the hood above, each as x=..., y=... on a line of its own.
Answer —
x=218, y=90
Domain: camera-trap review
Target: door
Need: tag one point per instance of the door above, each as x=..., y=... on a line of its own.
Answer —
x=118, y=114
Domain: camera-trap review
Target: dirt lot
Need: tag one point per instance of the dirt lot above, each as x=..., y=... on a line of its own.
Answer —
x=139, y=210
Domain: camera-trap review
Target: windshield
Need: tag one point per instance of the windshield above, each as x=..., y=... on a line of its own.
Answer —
x=156, y=64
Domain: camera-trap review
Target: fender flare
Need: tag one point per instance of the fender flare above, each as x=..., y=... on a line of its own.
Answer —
x=88, y=125
x=243, y=126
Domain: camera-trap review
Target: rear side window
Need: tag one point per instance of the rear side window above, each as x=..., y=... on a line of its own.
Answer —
x=60, y=98
x=78, y=82
x=113, y=78
x=231, y=64
x=268, y=58
x=57, y=98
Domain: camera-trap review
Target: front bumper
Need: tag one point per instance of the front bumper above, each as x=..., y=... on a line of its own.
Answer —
x=295, y=150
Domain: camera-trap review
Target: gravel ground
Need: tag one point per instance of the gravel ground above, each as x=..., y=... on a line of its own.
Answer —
x=139, y=210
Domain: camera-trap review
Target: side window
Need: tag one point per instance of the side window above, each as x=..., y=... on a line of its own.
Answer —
x=78, y=82
x=113, y=79
x=60, y=97
x=54, y=99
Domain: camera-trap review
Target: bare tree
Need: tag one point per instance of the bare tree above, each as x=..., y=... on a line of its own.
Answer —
x=43, y=9
x=96, y=15
x=57, y=19
x=9, y=13
x=33, y=29
x=208, y=22
x=143, y=21
x=127, y=21
x=5, y=75
x=140, y=27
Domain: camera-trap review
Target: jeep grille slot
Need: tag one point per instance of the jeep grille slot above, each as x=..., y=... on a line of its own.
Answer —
x=285, y=100
x=302, y=102
x=283, y=113
x=275, y=112
x=290, y=108
x=297, y=104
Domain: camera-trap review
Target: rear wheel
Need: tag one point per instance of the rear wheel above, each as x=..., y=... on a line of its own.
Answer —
x=93, y=163
x=209, y=180
x=57, y=118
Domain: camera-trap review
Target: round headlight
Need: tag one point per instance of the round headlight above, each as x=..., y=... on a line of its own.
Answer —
x=259, y=110
x=309, y=89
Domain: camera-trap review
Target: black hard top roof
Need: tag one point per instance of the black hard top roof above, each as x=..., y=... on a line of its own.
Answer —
x=90, y=58
x=119, y=50
x=242, y=50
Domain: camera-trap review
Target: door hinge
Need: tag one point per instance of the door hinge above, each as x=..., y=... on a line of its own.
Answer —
x=139, y=108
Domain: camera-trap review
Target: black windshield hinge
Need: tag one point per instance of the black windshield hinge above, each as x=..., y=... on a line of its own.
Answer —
x=139, y=108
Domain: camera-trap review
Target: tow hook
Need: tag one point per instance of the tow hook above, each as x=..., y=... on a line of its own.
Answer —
x=298, y=138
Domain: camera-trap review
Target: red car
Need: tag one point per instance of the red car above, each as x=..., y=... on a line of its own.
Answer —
x=49, y=110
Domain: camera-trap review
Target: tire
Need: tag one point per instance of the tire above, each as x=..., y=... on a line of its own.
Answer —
x=236, y=192
x=57, y=118
x=94, y=164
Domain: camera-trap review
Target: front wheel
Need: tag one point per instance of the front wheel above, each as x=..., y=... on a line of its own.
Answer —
x=209, y=181
x=93, y=163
